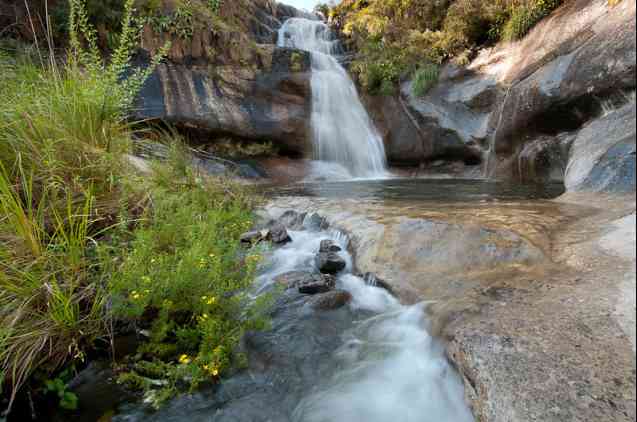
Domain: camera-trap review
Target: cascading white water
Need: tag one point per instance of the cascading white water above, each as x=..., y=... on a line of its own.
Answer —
x=342, y=130
x=389, y=366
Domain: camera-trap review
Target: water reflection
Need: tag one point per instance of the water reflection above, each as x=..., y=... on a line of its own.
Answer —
x=447, y=190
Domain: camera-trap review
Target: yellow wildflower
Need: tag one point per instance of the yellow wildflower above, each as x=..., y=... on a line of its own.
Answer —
x=184, y=359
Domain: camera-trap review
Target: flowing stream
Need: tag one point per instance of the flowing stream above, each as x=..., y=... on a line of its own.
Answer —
x=373, y=359
x=344, y=137
x=370, y=361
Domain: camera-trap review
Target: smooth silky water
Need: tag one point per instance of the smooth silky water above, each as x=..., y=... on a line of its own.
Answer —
x=342, y=132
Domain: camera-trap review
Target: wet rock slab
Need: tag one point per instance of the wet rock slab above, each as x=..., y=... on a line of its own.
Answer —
x=533, y=315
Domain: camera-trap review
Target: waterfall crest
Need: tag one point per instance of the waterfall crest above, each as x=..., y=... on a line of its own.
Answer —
x=342, y=132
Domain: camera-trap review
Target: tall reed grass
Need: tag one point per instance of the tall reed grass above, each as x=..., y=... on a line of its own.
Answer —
x=63, y=133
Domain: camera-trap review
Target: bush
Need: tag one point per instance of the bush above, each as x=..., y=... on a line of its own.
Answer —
x=186, y=277
x=425, y=78
x=407, y=32
x=525, y=17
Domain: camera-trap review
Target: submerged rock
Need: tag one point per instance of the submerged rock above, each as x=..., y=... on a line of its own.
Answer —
x=330, y=262
x=331, y=301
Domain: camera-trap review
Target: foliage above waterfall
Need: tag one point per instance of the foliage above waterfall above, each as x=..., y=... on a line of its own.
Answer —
x=395, y=37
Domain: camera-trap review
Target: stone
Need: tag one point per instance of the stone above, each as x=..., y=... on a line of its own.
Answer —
x=292, y=220
x=278, y=234
x=330, y=263
x=329, y=246
x=331, y=301
x=316, y=283
x=551, y=83
x=263, y=94
x=316, y=223
x=306, y=282
x=254, y=237
x=293, y=279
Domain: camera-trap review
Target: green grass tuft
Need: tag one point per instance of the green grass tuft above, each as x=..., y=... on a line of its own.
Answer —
x=526, y=16
x=425, y=78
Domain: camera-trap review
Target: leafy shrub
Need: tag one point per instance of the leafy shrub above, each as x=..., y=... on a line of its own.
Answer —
x=215, y=6
x=425, y=78
x=408, y=32
x=525, y=17
x=186, y=269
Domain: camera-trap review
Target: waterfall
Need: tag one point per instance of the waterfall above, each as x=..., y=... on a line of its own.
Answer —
x=342, y=132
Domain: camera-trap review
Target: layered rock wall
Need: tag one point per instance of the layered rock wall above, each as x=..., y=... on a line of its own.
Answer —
x=230, y=80
x=518, y=107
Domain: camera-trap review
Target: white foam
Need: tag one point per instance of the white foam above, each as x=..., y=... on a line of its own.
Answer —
x=342, y=131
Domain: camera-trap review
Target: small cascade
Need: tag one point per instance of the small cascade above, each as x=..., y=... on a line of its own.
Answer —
x=343, y=133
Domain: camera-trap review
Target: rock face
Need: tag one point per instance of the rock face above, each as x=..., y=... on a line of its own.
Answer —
x=517, y=106
x=605, y=163
x=271, y=102
x=233, y=82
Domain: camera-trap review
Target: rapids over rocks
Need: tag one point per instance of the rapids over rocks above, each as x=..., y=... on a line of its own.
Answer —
x=366, y=358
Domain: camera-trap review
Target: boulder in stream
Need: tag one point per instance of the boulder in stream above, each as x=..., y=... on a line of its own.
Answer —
x=307, y=282
x=316, y=223
x=278, y=234
x=292, y=220
x=329, y=246
x=330, y=262
x=317, y=283
x=331, y=301
x=254, y=237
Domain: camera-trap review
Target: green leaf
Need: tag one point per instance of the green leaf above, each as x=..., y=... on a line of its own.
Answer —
x=69, y=401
